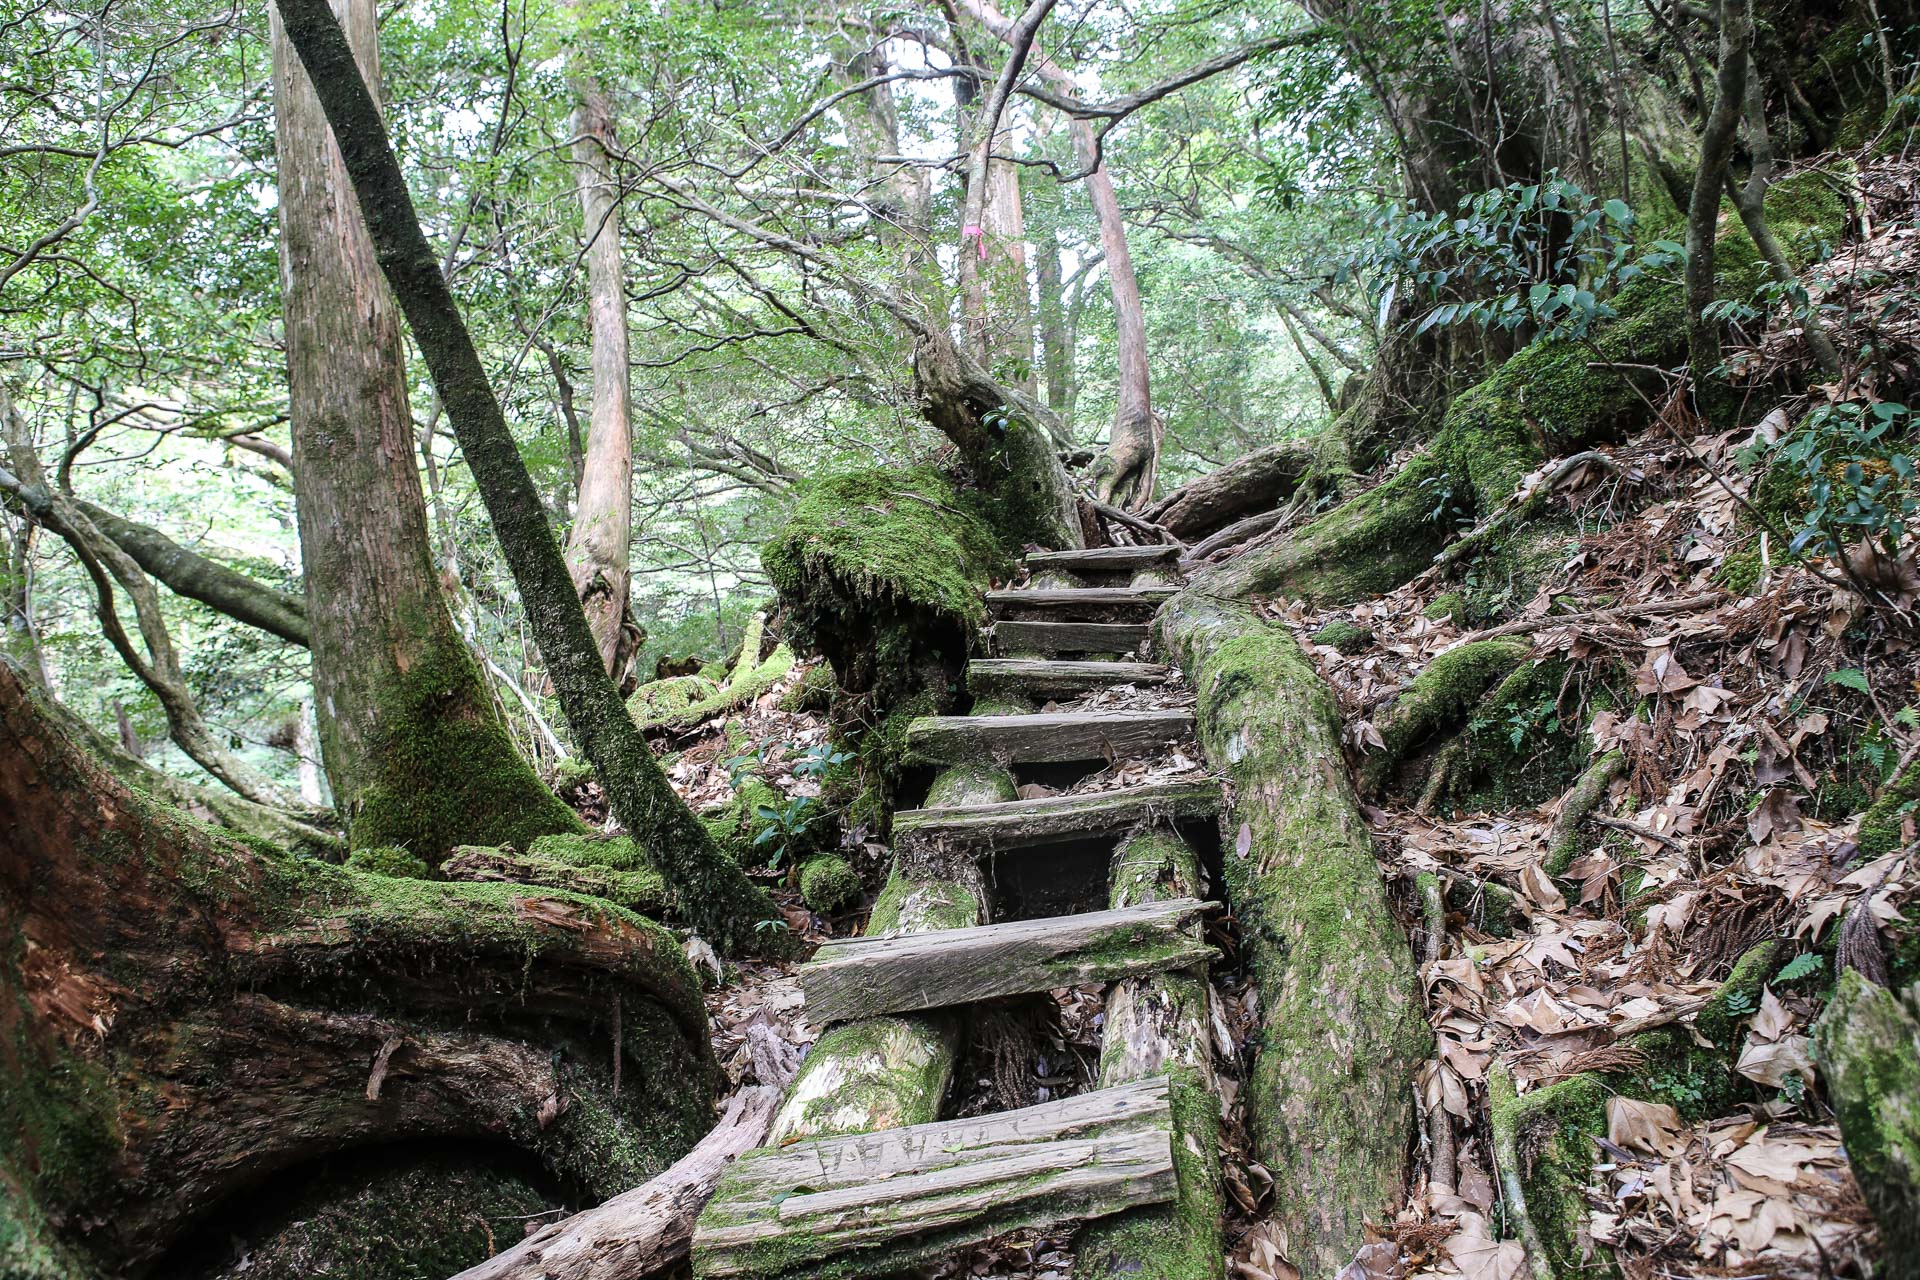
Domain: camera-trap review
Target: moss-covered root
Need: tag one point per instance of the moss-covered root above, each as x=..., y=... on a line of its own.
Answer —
x=1329, y=1097
x=1543, y=1145
x=1586, y=795
x=1438, y=699
x=1889, y=823
x=1158, y=1025
x=1868, y=1044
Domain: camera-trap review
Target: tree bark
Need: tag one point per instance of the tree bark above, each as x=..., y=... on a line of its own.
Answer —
x=1258, y=480
x=597, y=544
x=414, y=749
x=713, y=893
x=1710, y=178
x=191, y=1015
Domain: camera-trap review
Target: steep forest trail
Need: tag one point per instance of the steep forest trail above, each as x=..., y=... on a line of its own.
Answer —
x=994, y=893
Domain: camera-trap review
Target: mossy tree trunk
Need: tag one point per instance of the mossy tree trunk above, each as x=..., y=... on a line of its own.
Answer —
x=185, y=1014
x=1330, y=1101
x=413, y=745
x=712, y=892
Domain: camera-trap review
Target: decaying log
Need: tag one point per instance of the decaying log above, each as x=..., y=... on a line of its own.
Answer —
x=1342, y=1028
x=1261, y=479
x=861, y=977
x=196, y=1013
x=1088, y=815
x=871, y=1204
x=1158, y=1026
x=1037, y=677
x=1053, y=737
x=641, y=1232
x=1068, y=637
x=1099, y=561
x=1139, y=602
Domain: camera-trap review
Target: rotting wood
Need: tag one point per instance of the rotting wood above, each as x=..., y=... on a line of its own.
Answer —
x=875, y=1203
x=863, y=977
x=1073, y=599
x=1058, y=677
x=1157, y=1027
x=1069, y=637
x=641, y=1231
x=1051, y=738
x=1099, y=560
x=1028, y=822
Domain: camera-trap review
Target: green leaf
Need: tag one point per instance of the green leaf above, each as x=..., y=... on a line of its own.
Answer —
x=1801, y=966
x=1849, y=678
x=1618, y=211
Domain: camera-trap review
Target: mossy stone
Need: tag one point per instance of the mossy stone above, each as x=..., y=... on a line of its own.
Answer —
x=1450, y=607
x=1868, y=1043
x=1347, y=637
x=829, y=885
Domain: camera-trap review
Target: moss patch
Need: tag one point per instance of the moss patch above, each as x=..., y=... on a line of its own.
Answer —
x=1347, y=637
x=385, y=860
x=829, y=885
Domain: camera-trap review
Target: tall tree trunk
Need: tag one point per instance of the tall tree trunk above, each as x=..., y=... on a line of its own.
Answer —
x=1056, y=356
x=414, y=750
x=1703, y=211
x=712, y=892
x=597, y=545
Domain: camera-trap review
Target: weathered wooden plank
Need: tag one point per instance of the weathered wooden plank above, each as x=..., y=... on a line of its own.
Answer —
x=862, y=977
x=1057, y=677
x=1069, y=637
x=1103, y=559
x=1050, y=738
x=1027, y=822
x=1070, y=601
x=872, y=1203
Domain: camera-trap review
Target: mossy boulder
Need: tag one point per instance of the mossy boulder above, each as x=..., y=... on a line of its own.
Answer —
x=829, y=885
x=1868, y=1044
x=1345, y=636
x=1450, y=607
x=882, y=571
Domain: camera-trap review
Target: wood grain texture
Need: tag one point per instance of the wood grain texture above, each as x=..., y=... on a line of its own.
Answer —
x=1065, y=602
x=648, y=1228
x=862, y=977
x=1103, y=559
x=875, y=1203
x=1058, y=677
x=1051, y=738
x=1029, y=822
x=1069, y=637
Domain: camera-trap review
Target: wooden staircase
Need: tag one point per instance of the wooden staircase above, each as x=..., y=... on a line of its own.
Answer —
x=821, y=1201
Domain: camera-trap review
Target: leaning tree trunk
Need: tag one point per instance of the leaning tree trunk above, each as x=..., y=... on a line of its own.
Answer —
x=413, y=745
x=711, y=890
x=597, y=545
x=187, y=1016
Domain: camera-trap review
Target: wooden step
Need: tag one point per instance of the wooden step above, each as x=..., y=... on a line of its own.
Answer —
x=877, y=1203
x=1104, y=559
x=1069, y=637
x=1050, y=738
x=864, y=977
x=1090, y=815
x=1039, y=677
x=1139, y=601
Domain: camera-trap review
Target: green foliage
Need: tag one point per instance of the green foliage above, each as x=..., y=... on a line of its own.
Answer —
x=1857, y=461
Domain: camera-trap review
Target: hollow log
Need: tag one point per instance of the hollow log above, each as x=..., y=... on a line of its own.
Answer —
x=186, y=1014
x=1329, y=1097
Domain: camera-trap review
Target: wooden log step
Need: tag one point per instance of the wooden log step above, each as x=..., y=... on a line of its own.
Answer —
x=1058, y=677
x=1069, y=637
x=864, y=977
x=877, y=1203
x=1054, y=737
x=1028, y=822
x=1063, y=601
x=1099, y=560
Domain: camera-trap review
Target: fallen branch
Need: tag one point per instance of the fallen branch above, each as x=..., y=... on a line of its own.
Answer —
x=1653, y=608
x=645, y=1230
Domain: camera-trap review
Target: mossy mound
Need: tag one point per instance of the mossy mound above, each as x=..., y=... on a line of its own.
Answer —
x=614, y=868
x=829, y=885
x=882, y=570
x=813, y=692
x=419, y=1219
x=687, y=700
x=385, y=860
x=737, y=825
x=1347, y=637
x=1448, y=607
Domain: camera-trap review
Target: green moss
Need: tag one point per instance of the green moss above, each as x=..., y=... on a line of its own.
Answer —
x=444, y=770
x=1551, y=1130
x=1183, y=1239
x=1739, y=996
x=1347, y=637
x=1519, y=750
x=812, y=692
x=883, y=571
x=1448, y=607
x=736, y=826
x=1883, y=824
x=879, y=1072
x=1869, y=1050
x=687, y=700
x=1698, y=1080
x=420, y=1219
x=1740, y=572
x=610, y=867
x=386, y=860
x=933, y=904
x=829, y=885
x=1438, y=699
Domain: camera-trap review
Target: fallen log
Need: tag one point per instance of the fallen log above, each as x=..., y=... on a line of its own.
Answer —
x=1329, y=1097
x=1261, y=479
x=641, y=1232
